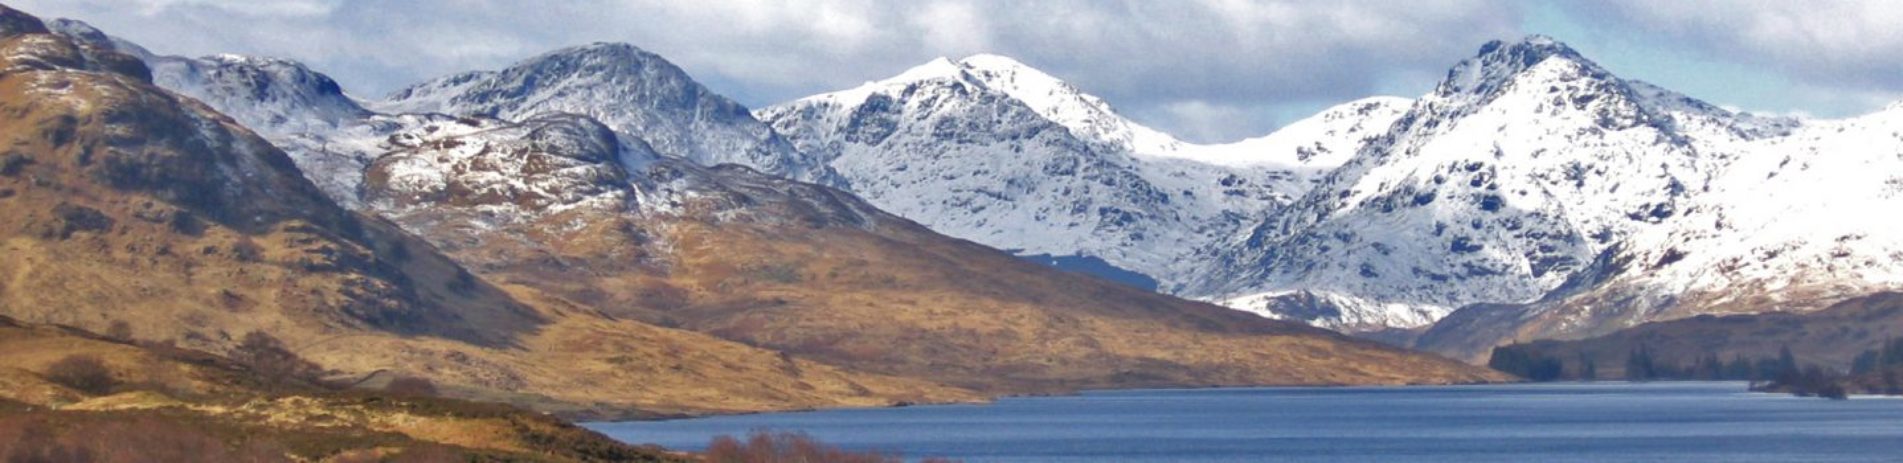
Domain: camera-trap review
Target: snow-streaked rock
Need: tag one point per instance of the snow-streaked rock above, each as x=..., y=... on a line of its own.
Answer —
x=992, y=150
x=1530, y=167
x=632, y=91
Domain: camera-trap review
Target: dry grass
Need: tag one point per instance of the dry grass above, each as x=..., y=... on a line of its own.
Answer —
x=167, y=410
x=767, y=447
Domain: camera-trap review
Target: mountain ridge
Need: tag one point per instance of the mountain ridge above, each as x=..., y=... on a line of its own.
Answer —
x=565, y=211
x=1531, y=178
x=989, y=149
x=682, y=118
x=1570, y=202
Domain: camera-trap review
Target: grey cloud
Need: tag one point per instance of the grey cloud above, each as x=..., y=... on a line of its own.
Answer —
x=1853, y=45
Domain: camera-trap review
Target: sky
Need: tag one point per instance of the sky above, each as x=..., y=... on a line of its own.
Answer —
x=1204, y=70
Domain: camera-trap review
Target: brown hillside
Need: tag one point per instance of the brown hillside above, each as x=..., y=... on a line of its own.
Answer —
x=167, y=404
x=120, y=202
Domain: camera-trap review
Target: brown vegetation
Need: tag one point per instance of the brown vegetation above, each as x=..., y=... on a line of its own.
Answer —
x=768, y=447
x=83, y=373
x=181, y=405
x=410, y=386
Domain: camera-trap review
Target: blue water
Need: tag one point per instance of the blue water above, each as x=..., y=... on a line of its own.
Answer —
x=1705, y=421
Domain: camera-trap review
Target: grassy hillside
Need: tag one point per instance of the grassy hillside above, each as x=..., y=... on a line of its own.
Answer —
x=155, y=402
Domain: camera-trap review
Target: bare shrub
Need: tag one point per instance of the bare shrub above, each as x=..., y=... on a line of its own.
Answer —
x=84, y=373
x=247, y=250
x=119, y=330
x=49, y=437
x=410, y=386
x=789, y=447
x=267, y=356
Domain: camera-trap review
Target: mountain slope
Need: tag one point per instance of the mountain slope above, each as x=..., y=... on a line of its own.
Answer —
x=630, y=90
x=1789, y=226
x=815, y=272
x=121, y=202
x=1517, y=172
x=994, y=151
x=1534, y=195
x=282, y=99
x=562, y=207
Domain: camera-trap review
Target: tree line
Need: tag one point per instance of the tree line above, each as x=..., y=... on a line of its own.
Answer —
x=1642, y=364
x=1878, y=370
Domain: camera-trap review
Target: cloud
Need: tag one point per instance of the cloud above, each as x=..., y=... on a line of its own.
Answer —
x=241, y=7
x=1851, y=44
x=1238, y=54
x=1202, y=121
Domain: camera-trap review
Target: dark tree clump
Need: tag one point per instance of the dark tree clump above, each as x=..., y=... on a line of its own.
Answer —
x=411, y=386
x=84, y=373
x=267, y=356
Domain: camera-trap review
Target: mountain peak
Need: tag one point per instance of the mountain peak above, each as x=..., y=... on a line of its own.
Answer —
x=15, y=22
x=937, y=68
x=633, y=91
x=85, y=34
x=1536, y=47
x=599, y=48
x=991, y=62
x=1018, y=79
x=1499, y=61
x=615, y=57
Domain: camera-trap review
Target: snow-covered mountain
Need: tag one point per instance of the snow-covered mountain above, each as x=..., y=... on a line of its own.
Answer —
x=1532, y=177
x=989, y=149
x=269, y=95
x=1531, y=194
x=283, y=100
x=581, y=221
x=1795, y=223
x=631, y=90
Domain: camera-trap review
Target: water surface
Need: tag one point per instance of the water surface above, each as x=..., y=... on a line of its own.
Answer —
x=1702, y=421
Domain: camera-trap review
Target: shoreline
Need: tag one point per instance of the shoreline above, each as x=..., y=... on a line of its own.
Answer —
x=581, y=418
